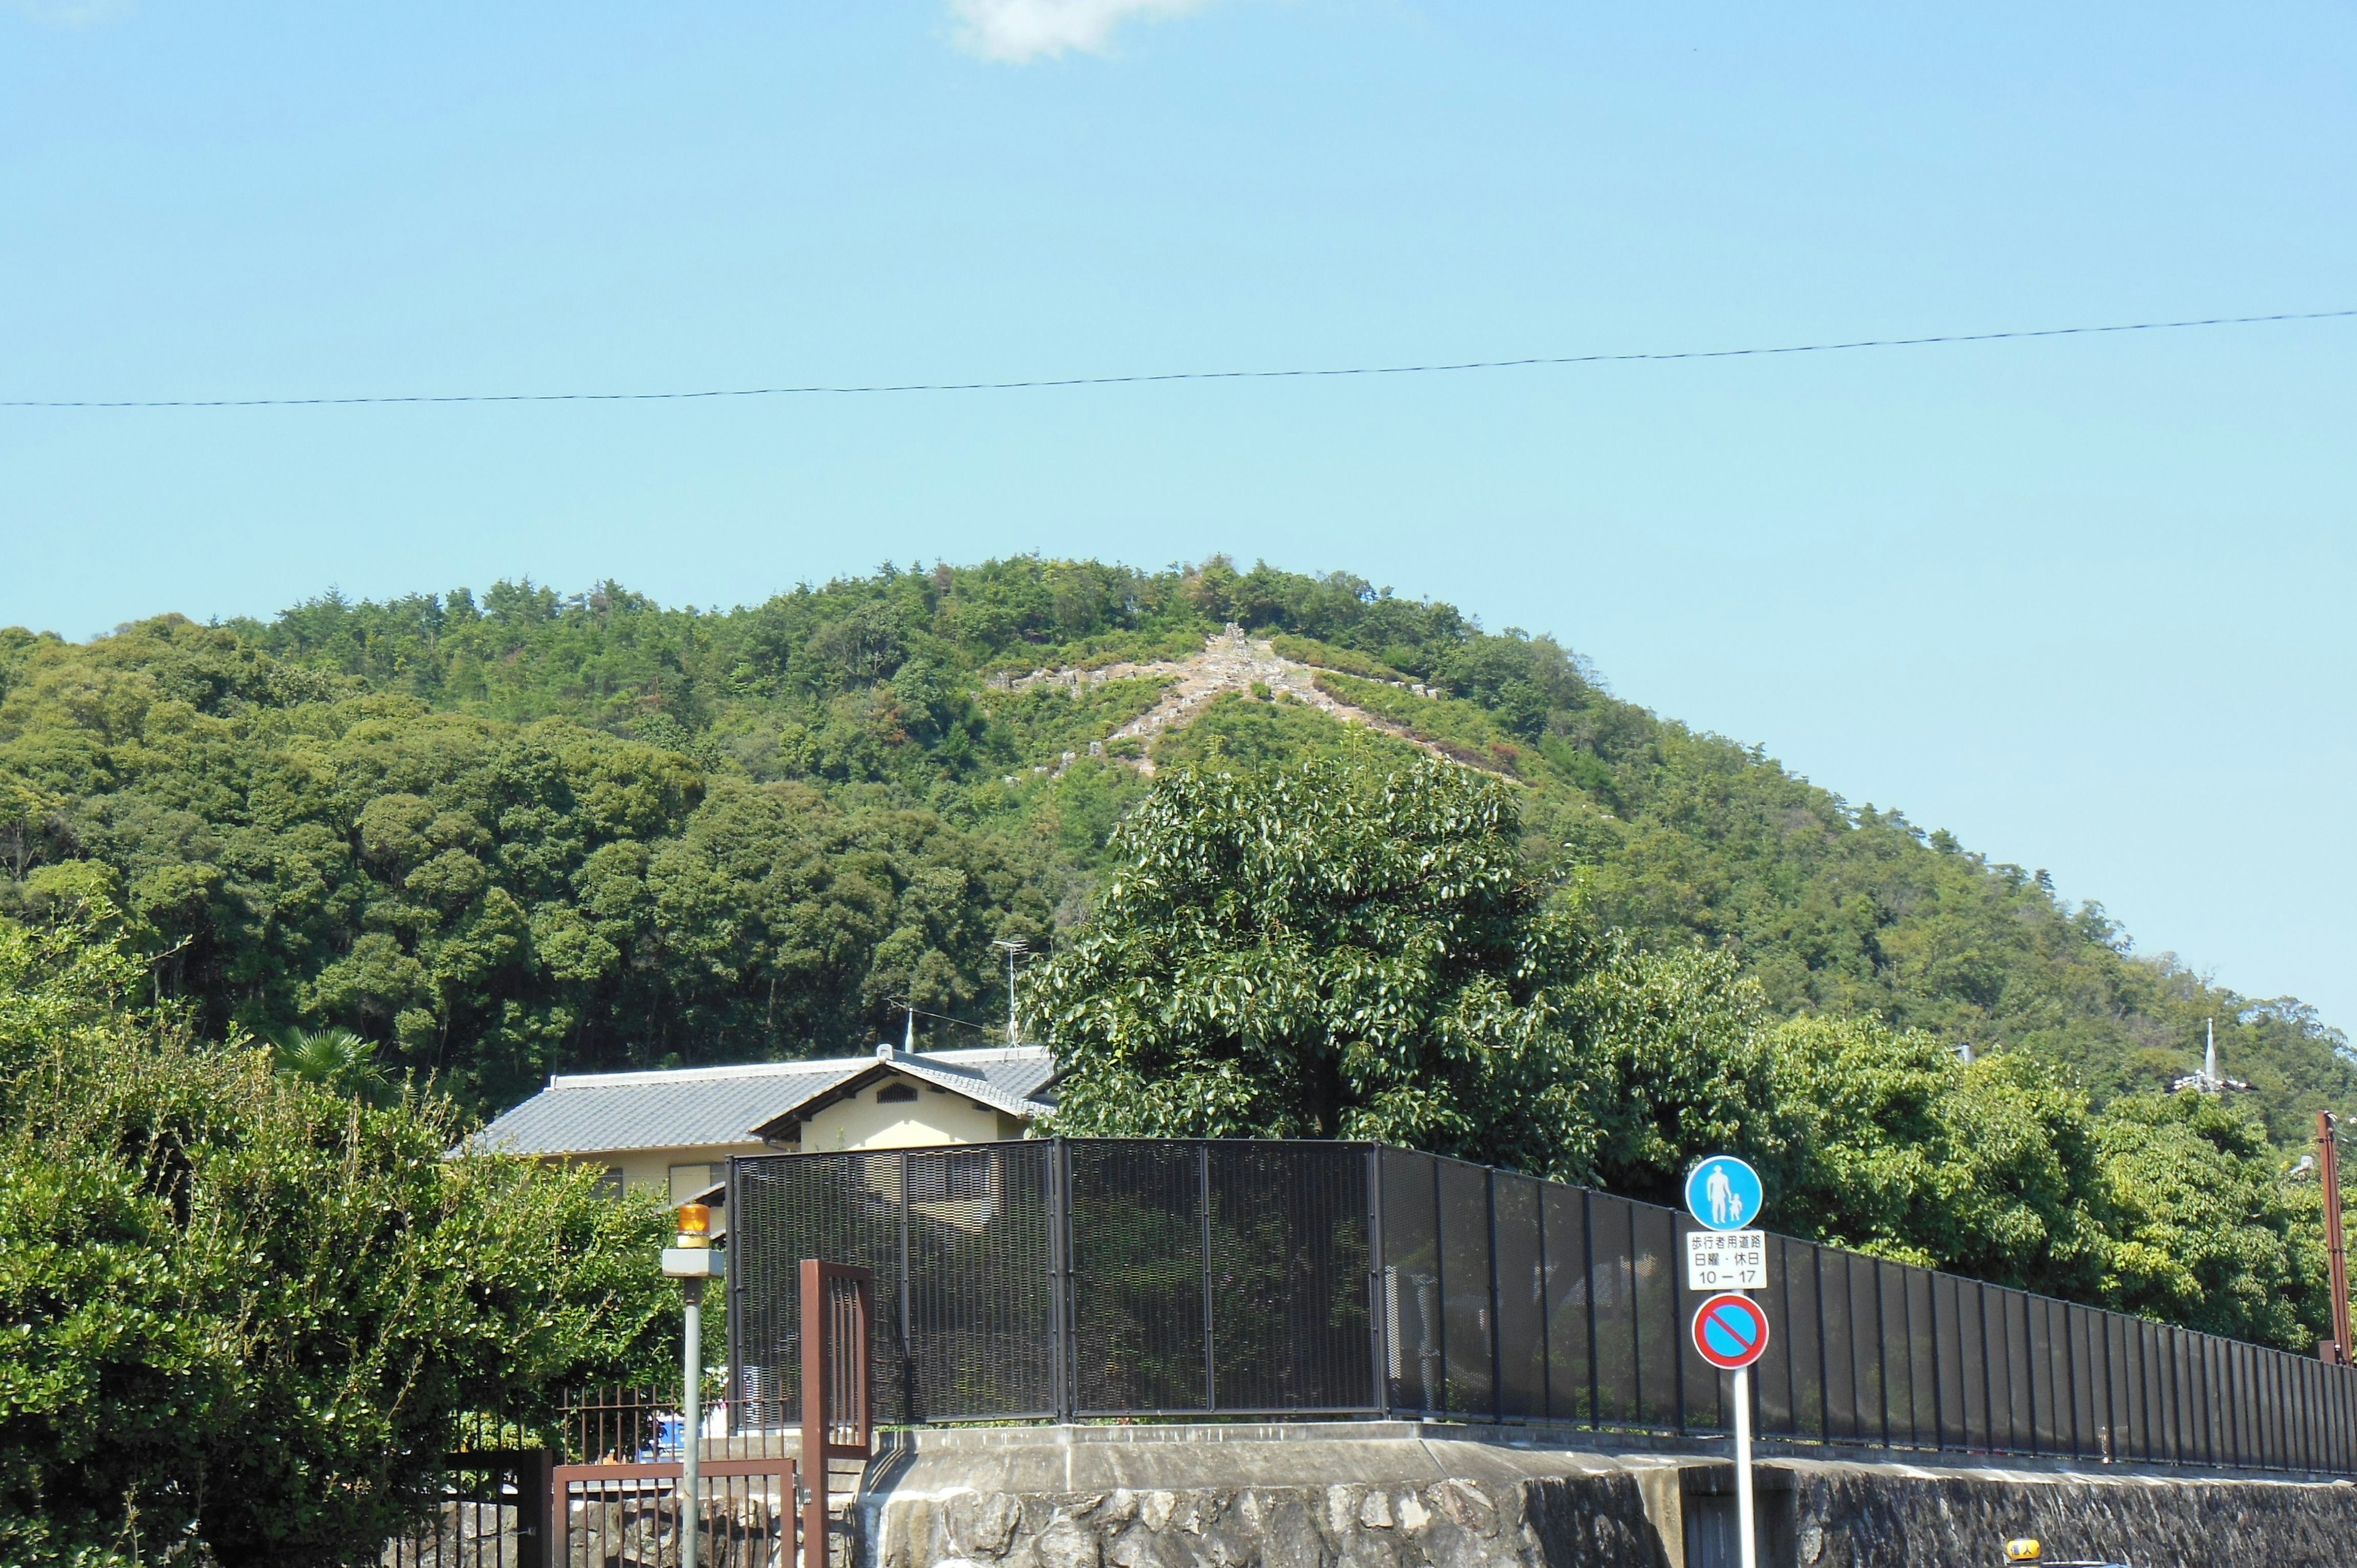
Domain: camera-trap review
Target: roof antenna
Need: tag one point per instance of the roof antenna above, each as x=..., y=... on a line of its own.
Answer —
x=1012, y=946
x=2209, y=1054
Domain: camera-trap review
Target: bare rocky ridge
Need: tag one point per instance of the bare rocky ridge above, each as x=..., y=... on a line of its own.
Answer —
x=1229, y=662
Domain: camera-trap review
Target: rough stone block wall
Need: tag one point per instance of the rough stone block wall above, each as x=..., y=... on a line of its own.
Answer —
x=1569, y=1522
x=1867, y=1517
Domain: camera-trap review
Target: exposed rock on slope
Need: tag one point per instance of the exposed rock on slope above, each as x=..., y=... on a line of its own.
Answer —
x=1231, y=662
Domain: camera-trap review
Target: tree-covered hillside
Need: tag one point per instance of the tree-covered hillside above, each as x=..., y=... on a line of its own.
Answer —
x=511, y=834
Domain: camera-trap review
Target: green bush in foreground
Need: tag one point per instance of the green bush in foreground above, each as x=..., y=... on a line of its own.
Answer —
x=239, y=1311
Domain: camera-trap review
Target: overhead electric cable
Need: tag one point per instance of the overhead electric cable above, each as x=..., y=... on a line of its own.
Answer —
x=1532, y=362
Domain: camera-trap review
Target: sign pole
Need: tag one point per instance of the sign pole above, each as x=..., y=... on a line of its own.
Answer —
x=1724, y=1194
x=1745, y=1521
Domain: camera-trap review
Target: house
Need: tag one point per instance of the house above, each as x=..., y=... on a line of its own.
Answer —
x=674, y=1130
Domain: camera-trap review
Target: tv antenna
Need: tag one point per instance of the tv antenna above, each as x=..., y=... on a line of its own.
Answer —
x=1012, y=947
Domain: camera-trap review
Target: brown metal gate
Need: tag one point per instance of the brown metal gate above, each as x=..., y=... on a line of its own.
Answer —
x=622, y=1507
x=627, y=1513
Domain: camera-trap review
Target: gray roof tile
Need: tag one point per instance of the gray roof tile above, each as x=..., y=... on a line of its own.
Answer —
x=609, y=1112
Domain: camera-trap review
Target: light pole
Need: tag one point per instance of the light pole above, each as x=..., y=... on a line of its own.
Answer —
x=692, y=1261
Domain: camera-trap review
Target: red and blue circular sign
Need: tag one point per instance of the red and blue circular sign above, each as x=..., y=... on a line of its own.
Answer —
x=1730, y=1331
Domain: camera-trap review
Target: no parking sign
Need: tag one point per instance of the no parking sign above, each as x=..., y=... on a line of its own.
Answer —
x=1730, y=1331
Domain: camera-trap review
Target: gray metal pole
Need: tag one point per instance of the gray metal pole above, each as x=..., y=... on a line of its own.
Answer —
x=691, y=1507
x=1746, y=1519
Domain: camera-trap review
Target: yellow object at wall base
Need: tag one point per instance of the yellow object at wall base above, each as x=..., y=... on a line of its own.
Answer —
x=2023, y=1551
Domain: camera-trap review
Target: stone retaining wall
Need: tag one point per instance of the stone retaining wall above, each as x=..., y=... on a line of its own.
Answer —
x=1398, y=1495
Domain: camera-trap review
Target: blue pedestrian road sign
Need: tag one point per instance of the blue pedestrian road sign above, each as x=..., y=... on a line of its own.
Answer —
x=1724, y=1193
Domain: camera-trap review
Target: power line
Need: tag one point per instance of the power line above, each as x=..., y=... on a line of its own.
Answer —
x=943, y=1018
x=1534, y=361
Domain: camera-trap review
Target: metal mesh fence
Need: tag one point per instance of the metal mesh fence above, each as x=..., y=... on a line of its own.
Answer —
x=1130, y=1277
x=1287, y=1296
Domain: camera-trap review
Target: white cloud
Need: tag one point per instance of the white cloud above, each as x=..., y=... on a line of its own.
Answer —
x=1019, y=30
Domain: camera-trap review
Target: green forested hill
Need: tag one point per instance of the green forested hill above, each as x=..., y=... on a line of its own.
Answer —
x=509, y=835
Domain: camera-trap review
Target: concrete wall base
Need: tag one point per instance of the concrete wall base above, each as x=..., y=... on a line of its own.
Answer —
x=1405, y=1494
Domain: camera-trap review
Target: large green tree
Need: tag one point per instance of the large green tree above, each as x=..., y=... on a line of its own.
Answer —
x=1354, y=949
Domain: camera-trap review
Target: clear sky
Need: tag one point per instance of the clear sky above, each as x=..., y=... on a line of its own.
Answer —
x=2082, y=602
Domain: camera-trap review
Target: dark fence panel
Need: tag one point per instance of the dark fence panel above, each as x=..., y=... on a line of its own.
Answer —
x=843, y=1207
x=1467, y=1337
x=1411, y=1281
x=982, y=1303
x=1660, y=1337
x=1570, y=1315
x=1521, y=1298
x=1612, y=1240
x=1287, y=1296
x=1141, y=1322
x=1805, y=1338
x=1146, y=1277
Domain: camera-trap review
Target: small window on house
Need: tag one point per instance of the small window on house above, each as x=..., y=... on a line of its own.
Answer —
x=610, y=1181
x=895, y=1094
x=969, y=1173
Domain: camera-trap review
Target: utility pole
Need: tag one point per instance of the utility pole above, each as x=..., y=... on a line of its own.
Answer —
x=2328, y=1159
x=1011, y=946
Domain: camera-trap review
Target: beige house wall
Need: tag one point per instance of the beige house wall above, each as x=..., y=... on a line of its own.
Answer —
x=673, y=1176
x=934, y=1119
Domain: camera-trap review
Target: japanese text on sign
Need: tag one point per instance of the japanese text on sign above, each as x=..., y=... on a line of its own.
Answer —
x=1727, y=1259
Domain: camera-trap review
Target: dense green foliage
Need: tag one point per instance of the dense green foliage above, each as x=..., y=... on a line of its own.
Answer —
x=242, y=1312
x=1347, y=951
x=495, y=838
x=1356, y=948
x=506, y=835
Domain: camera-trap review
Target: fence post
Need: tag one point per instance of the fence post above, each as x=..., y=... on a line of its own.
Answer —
x=733, y=1290
x=814, y=1414
x=1546, y=1301
x=1203, y=1205
x=1588, y=1290
x=1059, y=1272
x=1379, y=1325
x=908, y=1335
x=1497, y=1354
x=1440, y=1287
x=534, y=1491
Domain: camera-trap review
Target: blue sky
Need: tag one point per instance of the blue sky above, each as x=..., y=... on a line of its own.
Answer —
x=2084, y=602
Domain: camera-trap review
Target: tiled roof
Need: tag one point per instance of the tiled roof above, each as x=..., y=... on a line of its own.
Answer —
x=688, y=1107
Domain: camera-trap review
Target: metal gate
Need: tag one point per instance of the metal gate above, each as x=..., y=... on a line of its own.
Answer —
x=490, y=1510
x=622, y=1506
x=626, y=1513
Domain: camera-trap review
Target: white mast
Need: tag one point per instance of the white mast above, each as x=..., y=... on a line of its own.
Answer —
x=1012, y=946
